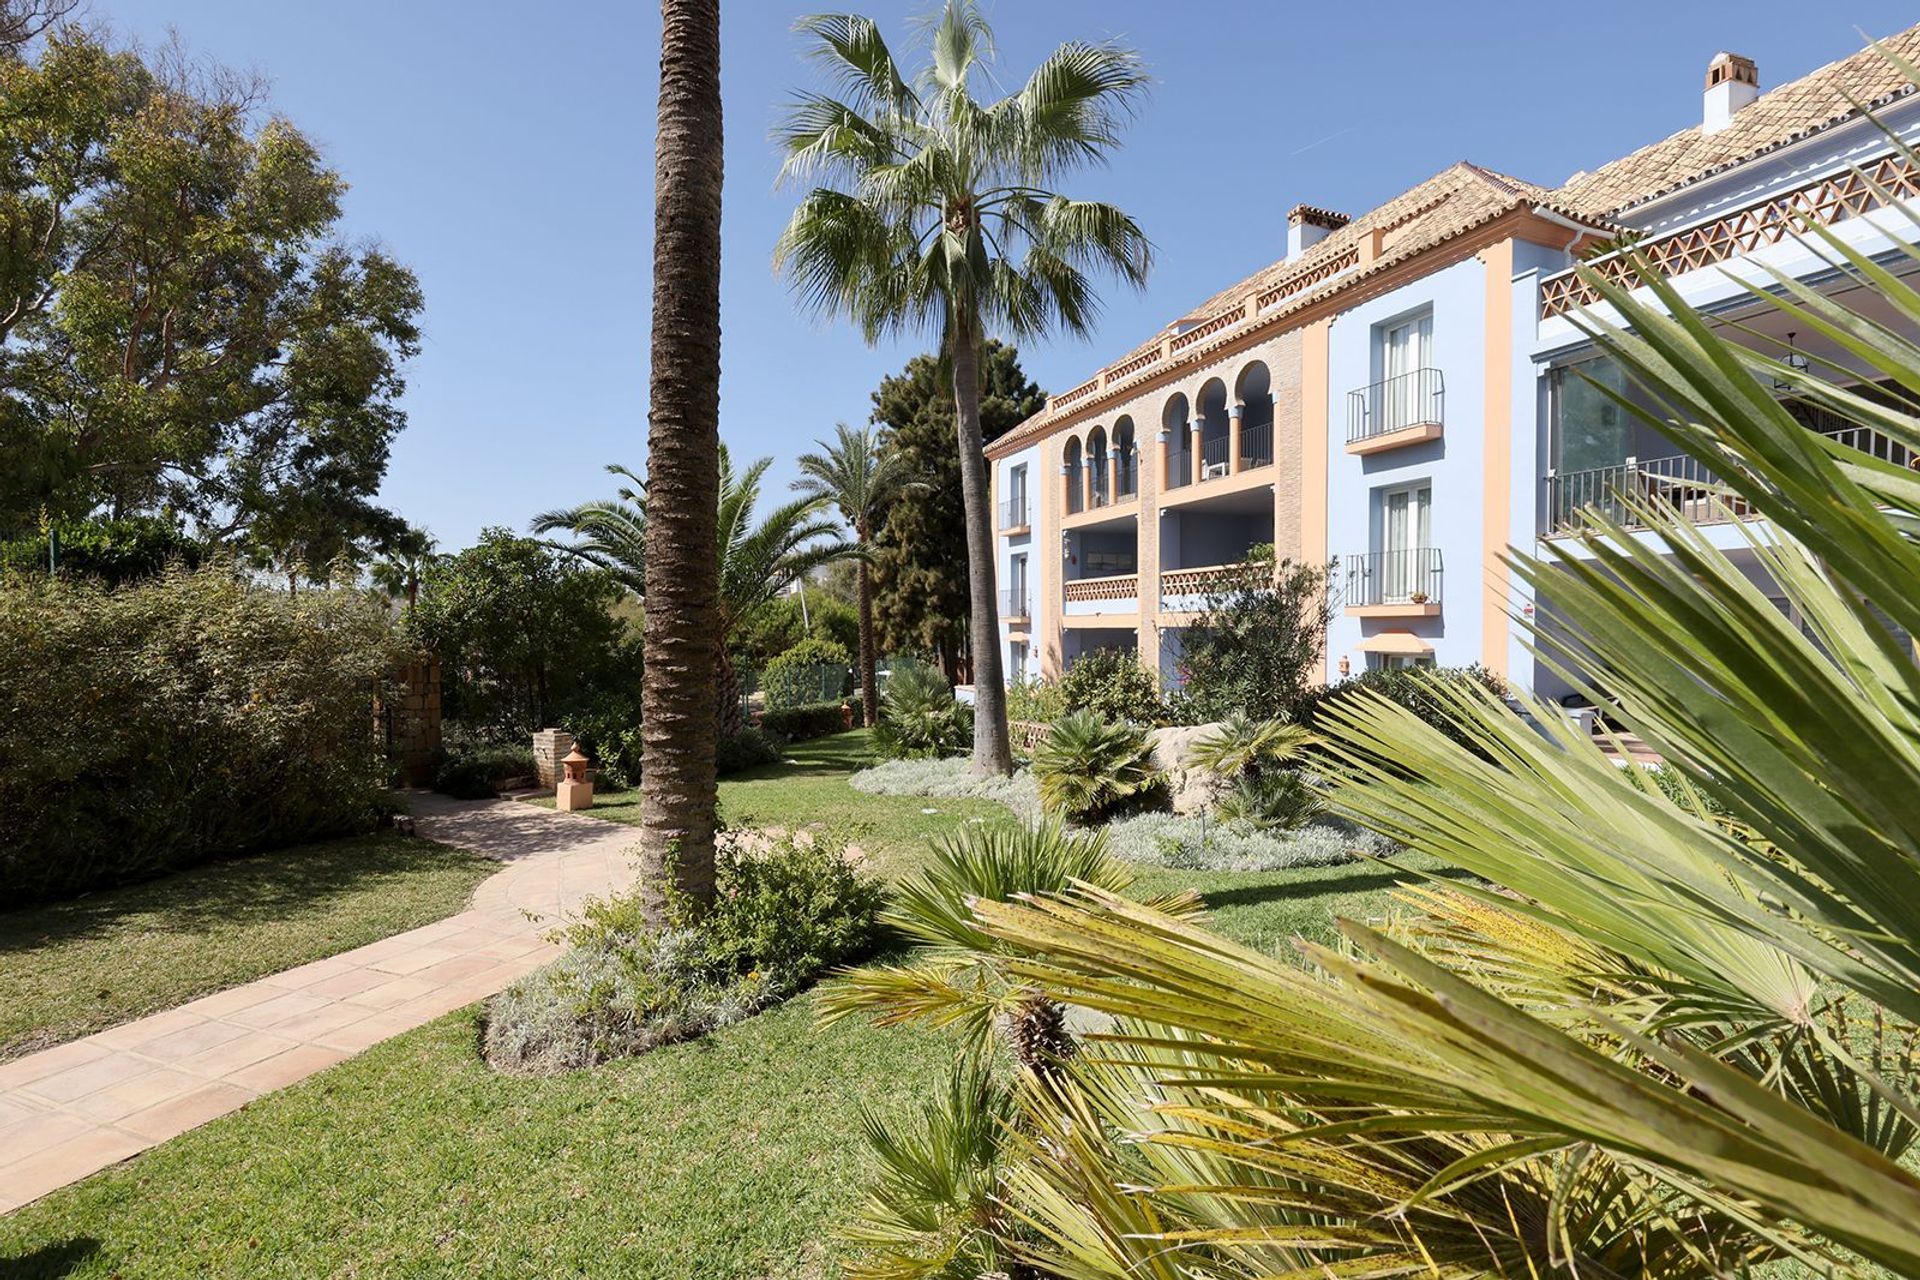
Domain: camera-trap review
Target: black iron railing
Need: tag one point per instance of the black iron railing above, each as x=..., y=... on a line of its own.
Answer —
x=1256, y=446
x=1408, y=400
x=1213, y=456
x=1394, y=577
x=1126, y=474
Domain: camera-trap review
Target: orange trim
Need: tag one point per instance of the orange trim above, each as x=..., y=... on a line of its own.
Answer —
x=1314, y=408
x=1496, y=499
x=1396, y=642
x=1395, y=439
x=1407, y=610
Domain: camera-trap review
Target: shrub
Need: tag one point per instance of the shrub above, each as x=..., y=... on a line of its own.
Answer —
x=919, y=716
x=780, y=918
x=1088, y=768
x=1190, y=843
x=1113, y=685
x=1256, y=644
x=951, y=777
x=1253, y=758
x=112, y=551
x=1035, y=701
x=797, y=724
x=478, y=772
x=158, y=725
x=747, y=749
x=1410, y=688
x=1271, y=800
x=813, y=671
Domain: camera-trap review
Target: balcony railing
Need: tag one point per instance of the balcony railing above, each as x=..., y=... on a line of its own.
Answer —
x=1013, y=602
x=1214, y=457
x=1127, y=478
x=1256, y=446
x=1399, y=403
x=1118, y=586
x=1179, y=469
x=1410, y=576
x=1013, y=512
x=1213, y=579
x=1097, y=495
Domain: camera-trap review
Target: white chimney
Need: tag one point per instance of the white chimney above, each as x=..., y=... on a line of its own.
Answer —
x=1733, y=82
x=1308, y=226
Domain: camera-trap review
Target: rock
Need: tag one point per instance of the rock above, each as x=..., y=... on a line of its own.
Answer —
x=1192, y=788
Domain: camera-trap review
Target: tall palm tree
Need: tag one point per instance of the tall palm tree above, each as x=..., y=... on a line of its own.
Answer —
x=397, y=572
x=933, y=211
x=860, y=478
x=678, y=795
x=757, y=559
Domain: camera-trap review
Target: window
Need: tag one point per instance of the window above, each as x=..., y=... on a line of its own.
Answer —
x=1404, y=661
x=1405, y=350
x=1406, y=531
x=1017, y=660
x=1015, y=513
x=1589, y=428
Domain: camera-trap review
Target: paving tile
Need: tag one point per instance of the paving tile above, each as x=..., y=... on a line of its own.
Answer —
x=37, y=1066
x=161, y=1084
x=225, y=1003
x=311, y=1026
x=390, y=993
x=350, y=983
x=188, y=1111
x=369, y=1031
x=287, y=1068
x=30, y=1138
x=18, y=1107
x=192, y=1040
x=456, y=969
x=307, y=974
x=242, y=1051
x=88, y=1077
x=288, y=1004
x=129, y=1035
x=70, y=1161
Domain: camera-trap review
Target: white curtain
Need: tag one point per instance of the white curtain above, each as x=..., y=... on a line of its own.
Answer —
x=1406, y=353
x=1408, y=528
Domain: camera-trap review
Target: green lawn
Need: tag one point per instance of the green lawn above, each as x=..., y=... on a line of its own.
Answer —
x=75, y=967
x=733, y=1156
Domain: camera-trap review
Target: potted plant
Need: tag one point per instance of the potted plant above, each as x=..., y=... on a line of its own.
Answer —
x=1418, y=597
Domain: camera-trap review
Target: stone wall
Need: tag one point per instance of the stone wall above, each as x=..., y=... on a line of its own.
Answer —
x=407, y=720
x=550, y=747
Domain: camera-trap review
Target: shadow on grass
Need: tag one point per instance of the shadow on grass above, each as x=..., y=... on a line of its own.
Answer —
x=1294, y=890
x=258, y=889
x=49, y=1261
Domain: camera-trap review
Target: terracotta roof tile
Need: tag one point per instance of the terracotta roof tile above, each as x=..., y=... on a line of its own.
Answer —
x=1776, y=118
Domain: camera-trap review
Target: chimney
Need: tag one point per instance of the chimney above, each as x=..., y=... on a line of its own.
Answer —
x=1733, y=82
x=1308, y=226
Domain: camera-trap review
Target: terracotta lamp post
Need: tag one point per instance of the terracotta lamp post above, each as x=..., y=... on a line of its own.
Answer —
x=575, y=790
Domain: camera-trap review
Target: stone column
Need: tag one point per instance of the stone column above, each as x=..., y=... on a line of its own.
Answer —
x=1199, y=463
x=1066, y=489
x=1113, y=472
x=1234, y=418
x=550, y=747
x=1166, y=459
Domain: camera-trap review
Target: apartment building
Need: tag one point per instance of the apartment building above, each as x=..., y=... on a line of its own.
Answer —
x=1399, y=396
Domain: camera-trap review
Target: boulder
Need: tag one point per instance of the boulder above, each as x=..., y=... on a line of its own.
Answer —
x=1192, y=788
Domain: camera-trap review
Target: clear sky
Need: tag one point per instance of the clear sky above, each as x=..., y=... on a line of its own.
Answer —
x=504, y=151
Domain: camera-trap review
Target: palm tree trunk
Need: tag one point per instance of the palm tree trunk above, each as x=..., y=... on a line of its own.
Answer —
x=992, y=749
x=869, y=678
x=677, y=789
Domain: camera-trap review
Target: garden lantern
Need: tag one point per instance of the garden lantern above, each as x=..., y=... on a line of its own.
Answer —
x=576, y=789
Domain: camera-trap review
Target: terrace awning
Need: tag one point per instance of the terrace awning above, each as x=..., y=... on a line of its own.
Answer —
x=1396, y=642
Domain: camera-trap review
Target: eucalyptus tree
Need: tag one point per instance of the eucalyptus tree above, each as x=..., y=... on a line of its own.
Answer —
x=859, y=477
x=678, y=789
x=933, y=211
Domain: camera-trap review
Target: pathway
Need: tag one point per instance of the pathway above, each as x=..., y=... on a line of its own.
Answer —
x=71, y=1110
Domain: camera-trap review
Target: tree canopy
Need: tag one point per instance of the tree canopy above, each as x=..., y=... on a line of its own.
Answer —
x=182, y=330
x=920, y=548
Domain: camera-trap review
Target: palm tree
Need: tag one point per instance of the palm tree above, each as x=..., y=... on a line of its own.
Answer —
x=860, y=478
x=756, y=559
x=678, y=795
x=933, y=212
x=397, y=572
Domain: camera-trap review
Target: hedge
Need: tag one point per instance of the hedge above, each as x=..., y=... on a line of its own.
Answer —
x=184, y=719
x=814, y=720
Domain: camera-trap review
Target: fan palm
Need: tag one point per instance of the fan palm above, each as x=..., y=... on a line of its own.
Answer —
x=1087, y=766
x=397, y=572
x=933, y=211
x=758, y=558
x=860, y=478
x=1665, y=1043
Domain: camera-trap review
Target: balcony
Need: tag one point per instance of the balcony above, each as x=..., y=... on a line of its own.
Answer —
x=1013, y=515
x=1013, y=602
x=1394, y=584
x=1110, y=593
x=1409, y=408
x=1193, y=590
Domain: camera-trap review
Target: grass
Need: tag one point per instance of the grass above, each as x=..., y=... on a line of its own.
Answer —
x=71, y=968
x=733, y=1156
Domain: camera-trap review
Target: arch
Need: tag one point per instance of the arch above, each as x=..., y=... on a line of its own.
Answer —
x=1097, y=495
x=1174, y=426
x=1125, y=459
x=1253, y=390
x=1070, y=465
x=1210, y=406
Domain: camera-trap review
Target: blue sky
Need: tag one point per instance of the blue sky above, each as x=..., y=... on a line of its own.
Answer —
x=505, y=153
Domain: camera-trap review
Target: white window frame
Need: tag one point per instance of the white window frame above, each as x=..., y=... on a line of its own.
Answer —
x=1399, y=574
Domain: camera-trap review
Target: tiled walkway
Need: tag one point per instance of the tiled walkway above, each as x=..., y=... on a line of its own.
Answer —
x=68, y=1111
